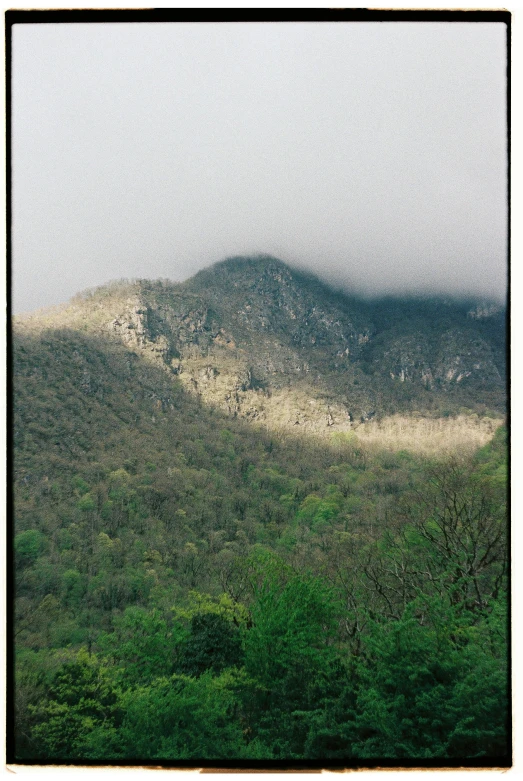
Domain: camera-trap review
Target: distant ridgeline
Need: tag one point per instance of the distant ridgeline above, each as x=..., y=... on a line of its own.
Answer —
x=265, y=342
x=258, y=519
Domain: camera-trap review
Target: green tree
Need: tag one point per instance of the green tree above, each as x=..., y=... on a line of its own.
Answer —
x=432, y=684
x=143, y=646
x=214, y=643
x=289, y=650
x=83, y=695
x=28, y=545
x=182, y=718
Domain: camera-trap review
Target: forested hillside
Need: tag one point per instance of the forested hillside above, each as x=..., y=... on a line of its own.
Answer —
x=196, y=585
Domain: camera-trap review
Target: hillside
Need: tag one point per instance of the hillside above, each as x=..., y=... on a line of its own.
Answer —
x=237, y=538
x=278, y=347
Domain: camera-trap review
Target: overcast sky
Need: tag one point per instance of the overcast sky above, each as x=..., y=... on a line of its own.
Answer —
x=372, y=154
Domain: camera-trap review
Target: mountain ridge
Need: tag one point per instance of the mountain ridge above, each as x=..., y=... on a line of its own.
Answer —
x=273, y=344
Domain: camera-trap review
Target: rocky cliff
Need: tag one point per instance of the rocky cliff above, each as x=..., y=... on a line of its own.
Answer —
x=266, y=342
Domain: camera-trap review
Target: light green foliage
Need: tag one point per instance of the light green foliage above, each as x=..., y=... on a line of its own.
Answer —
x=289, y=652
x=86, y=503
x=121, y=477
x=292, y=619
x=82, y=696
x=316, y=511
x=143, y=646
x=291, y=626
x=204, y=604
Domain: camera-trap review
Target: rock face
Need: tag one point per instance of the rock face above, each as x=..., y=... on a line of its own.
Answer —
x=260, y=340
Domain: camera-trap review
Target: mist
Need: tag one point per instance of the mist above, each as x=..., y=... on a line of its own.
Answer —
x=372, y=154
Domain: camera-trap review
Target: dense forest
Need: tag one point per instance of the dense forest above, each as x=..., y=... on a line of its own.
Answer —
x=193, y=587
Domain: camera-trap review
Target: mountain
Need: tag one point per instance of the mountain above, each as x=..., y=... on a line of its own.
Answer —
x=271, y=344
x=242, y=507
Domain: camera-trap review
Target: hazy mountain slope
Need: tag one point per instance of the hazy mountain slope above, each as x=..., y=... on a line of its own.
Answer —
x=292, y=325
x=271, y=344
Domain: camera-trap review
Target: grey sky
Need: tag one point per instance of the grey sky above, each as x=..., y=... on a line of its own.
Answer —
x=373, y=154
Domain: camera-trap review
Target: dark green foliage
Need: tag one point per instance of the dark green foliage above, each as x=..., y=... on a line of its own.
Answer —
x=213, y=644
x=28, y=545
x=289, y=652
x=181, y=717
x=419, y=678
x=292, y=623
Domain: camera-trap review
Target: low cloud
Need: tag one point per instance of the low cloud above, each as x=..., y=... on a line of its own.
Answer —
x=371, y=154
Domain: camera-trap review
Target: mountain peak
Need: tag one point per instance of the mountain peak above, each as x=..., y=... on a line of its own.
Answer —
x=238, y=267
x=251, y=325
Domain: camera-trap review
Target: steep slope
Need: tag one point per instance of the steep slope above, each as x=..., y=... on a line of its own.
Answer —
x=294, y=326
x=262, y=341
